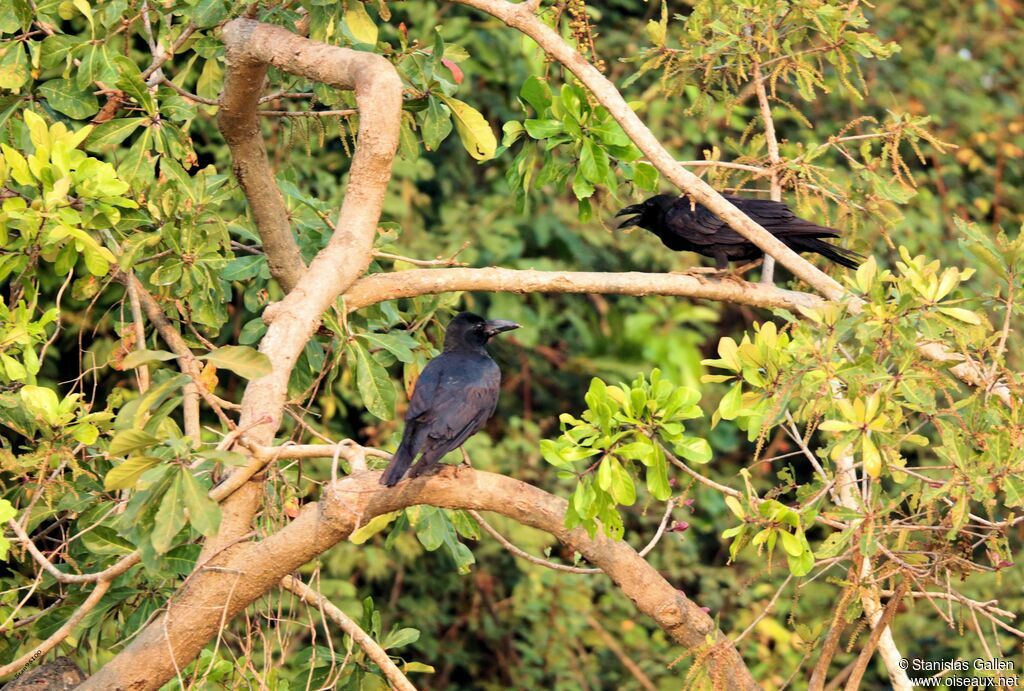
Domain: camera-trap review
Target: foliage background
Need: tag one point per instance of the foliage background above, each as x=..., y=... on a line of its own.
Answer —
x=501, y=622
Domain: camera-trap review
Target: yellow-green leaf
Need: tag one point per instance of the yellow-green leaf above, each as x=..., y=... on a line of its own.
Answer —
x=474, y=131
x=359, y=23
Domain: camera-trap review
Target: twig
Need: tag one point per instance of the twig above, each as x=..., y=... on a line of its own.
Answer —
x=60, y=634
x=627, y=662
x=307, y=113
x=525, y=555
x=767, y=609
x=362, y=639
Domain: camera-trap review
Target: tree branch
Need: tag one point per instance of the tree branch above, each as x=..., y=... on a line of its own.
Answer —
x=252, y=47
x=345, y=623
x=520, y=17
x=400, y=284
x=243, y=572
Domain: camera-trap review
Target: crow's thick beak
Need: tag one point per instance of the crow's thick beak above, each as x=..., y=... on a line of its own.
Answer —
x=629, y=222
x=497, y=326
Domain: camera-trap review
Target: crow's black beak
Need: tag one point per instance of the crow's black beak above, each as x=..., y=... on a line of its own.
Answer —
x=497, y=326
x=629, y=222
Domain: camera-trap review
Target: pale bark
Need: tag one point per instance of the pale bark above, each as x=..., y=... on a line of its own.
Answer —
x=243, y=572
x=390, y=286
x=291, y=322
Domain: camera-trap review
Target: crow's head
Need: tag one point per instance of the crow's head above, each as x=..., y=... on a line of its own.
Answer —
x=473, y=331
x=647, y=214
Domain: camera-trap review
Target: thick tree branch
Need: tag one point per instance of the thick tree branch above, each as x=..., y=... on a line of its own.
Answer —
x=239, y=122
x=363, y=640
x=400, y=284
x=378, y=95
x=243, y=572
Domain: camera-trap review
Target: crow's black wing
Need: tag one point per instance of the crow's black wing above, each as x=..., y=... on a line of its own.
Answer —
x=699, y=226
x=465, y=399
x=426, y=390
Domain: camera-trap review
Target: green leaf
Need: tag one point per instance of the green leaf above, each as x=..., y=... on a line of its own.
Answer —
x=645, y=176
x=112, y=133
x=105, y=540
x=63, y=96
x=543, y=129
x=593, y=162
x=960, y=314
x=203, y=512
x=170, y=518
x=125, y=475
x=375, y=525
x=657, y=476
x=537, y=93
x=137, y=358
x=242, y=360
x=243, y=268
x=475, y=132
x=731, y=405
x=14, y=67
x=437, y=123
x=400, y=637
x=209, y=13
x=694, y=449
x=126, y=441
x=374, y=384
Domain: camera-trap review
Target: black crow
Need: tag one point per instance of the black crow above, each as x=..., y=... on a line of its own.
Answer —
x=690, y=227
x=455, y=395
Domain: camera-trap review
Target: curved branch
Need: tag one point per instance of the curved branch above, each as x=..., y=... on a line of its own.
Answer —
x=238, y=121
x=363, y=640
x=400, y=284
x=291, y=322
x=243, y=572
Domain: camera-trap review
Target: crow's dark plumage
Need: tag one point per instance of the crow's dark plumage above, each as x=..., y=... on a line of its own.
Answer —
x=686, y=226
x=455, y=395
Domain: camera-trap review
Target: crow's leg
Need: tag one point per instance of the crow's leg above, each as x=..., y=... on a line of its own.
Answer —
x=421, y=467
x=466, y=461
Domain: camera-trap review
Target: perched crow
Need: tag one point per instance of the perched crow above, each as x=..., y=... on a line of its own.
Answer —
x=683, y=226
x=455, y=395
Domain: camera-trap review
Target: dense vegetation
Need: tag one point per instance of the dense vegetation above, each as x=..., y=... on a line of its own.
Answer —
x=802, y=460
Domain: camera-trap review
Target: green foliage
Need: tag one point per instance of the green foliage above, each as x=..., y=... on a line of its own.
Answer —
x=624, y=427
x=903, y=133
x=596, y=146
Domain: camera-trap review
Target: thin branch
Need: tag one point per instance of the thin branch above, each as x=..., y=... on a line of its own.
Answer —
x=307, y=113
x=346, y=624
x=627, y=662
x=187, y=361
x=490, y=530
x=768, y=268
x=880, y=628
x=139, y=326
x=107, y=574
x=55, y=638
x=767, y=609
x=195, y=98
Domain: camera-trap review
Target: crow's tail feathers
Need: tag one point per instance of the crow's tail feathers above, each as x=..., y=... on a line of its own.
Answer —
x=399, y=464
x=834, y=253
